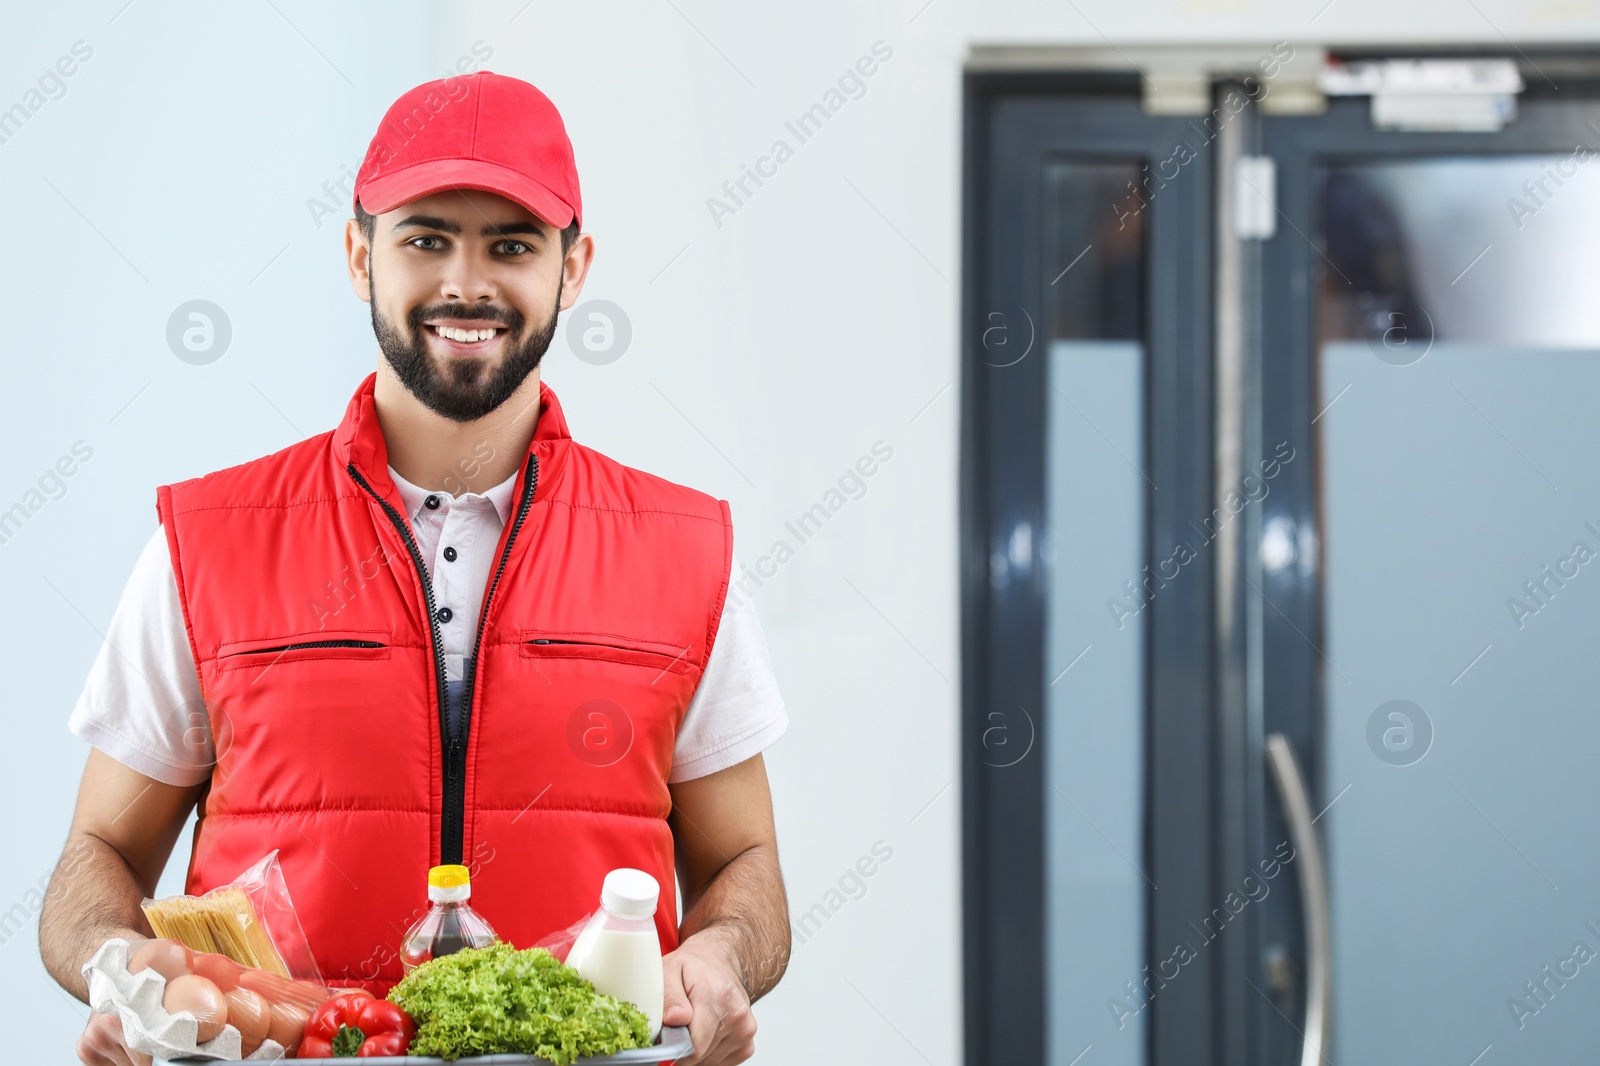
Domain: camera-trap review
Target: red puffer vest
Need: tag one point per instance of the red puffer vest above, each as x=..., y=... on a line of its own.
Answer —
x=323, y=677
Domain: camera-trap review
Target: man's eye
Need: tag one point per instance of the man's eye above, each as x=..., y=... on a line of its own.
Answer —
x=414, y=241
x=515, y=247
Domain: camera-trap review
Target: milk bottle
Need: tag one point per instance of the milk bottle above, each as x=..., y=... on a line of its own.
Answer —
x=618, y=950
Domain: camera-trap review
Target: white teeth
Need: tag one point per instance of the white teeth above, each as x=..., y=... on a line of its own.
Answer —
x=465, y=336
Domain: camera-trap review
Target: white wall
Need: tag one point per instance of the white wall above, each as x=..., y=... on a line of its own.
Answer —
x=817, y=319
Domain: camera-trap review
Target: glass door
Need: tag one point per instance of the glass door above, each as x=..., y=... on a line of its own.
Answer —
x=1280, y=514
x=1431, y=340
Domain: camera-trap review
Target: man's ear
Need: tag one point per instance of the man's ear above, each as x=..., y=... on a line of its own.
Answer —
x=575, y=268
x=358, y=259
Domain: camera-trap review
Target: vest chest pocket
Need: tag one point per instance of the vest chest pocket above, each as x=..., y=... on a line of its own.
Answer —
x=653, y=656
x=263, y=652
x=595, y=712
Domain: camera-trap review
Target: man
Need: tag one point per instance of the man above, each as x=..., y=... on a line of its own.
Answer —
x=443, y=632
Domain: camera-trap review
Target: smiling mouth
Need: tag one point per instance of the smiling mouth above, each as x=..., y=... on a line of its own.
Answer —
x=467, y=341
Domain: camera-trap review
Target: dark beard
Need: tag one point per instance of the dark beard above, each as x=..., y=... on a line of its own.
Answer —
x=469, y=390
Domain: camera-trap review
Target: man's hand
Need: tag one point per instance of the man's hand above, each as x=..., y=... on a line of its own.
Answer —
x=703, y=990
x=101, y=1044
x=735, y=923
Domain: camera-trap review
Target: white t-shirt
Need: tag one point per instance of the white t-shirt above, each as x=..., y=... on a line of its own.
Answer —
x=141, y=702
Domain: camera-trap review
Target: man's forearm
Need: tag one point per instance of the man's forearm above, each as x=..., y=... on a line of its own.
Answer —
x=93, y=895
x=745, y=910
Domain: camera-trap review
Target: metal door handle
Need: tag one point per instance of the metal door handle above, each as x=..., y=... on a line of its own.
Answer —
x=1296, y=803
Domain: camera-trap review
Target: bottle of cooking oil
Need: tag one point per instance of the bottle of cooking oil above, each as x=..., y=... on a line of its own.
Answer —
x=450, y=923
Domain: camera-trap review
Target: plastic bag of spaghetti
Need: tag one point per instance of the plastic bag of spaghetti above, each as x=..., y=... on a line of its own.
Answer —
x=251, y=920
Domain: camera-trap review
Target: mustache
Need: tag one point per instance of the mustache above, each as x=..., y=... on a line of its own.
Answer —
x=510, y=319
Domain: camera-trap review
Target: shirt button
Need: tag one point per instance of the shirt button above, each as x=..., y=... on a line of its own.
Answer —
x=432, y=503
x=449, y=555
x=445, y=614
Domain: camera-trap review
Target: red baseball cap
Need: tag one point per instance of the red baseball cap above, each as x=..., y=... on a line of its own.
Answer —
x=483, y=131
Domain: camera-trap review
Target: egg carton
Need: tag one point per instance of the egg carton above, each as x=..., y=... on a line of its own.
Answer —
x=673, y=1044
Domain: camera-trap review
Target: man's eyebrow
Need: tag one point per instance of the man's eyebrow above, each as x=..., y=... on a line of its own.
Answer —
x=444, y=225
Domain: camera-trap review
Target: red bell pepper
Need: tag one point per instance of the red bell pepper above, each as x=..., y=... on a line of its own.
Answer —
x=356, y=1024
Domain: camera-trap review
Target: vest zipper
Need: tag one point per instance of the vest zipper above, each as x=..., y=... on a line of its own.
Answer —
x=453, y=816
x=438, y=647
x=456, y=811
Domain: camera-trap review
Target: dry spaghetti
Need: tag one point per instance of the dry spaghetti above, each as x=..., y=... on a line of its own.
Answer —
x=221, y=921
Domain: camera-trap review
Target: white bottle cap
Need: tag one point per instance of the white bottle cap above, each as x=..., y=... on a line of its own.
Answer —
x=630, y=893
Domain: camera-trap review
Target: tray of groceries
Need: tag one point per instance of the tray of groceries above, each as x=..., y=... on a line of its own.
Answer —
x=229, y=978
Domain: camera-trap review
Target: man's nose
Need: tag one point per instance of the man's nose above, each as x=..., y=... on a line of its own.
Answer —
x=467, y=278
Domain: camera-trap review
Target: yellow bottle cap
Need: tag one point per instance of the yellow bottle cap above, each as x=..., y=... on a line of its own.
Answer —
x=448, y=877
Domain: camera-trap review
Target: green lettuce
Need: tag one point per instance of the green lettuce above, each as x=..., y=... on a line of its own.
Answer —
x=498, y=1000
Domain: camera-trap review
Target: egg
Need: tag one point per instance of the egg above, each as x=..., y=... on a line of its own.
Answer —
x=166, y=957
x=307, y=994
x=200, y=998
x=272, y=988
x=287, y=1024
x=251, y=1015
x=218, y=969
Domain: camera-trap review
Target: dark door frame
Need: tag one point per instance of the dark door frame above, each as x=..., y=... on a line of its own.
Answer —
x=1013, y=124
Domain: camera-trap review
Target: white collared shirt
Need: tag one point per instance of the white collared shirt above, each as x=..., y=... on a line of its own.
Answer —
x=141, y=702
x=468, y=528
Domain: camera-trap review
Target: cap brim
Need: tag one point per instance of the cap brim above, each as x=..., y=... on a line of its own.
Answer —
x=442, y=175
